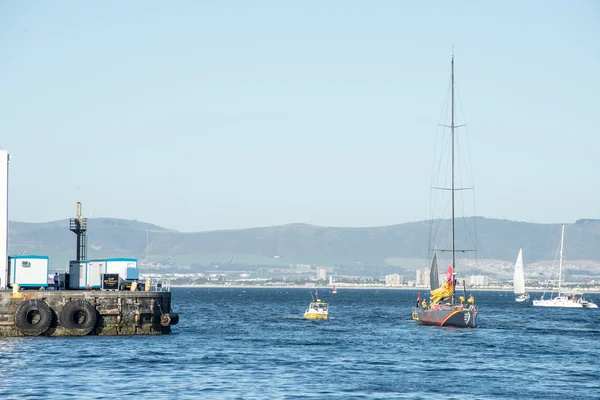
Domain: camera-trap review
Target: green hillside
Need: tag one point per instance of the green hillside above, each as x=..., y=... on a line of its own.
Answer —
x=300, y=243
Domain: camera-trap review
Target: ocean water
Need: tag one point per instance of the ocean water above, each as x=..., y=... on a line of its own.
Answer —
x=250, y=343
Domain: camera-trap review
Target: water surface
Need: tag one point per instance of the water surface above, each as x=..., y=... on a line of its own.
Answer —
x=236, y=343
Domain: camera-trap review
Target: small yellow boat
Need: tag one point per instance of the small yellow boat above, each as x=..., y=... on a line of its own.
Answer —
x=317, y=309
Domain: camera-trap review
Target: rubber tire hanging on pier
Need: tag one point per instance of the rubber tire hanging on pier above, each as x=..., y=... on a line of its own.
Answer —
x=26, y=317
x=169, y=319
x=79, y=316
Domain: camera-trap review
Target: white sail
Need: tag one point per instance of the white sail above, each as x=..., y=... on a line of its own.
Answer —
x=519, y=278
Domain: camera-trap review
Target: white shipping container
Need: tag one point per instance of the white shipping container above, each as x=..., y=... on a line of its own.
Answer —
x=95, y=269
x=77, y=274
x=127, y=268
x=29, y=271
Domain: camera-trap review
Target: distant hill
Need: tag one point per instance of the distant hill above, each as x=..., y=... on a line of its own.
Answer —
x=298, y=243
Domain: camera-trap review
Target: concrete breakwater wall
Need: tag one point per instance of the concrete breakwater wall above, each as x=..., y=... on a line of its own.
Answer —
x=79, y=312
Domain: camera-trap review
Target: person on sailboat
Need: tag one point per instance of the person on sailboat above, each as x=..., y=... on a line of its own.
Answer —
x=471, y=300
x=424, y=304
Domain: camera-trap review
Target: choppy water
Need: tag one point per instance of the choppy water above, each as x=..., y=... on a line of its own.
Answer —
x=252, y=343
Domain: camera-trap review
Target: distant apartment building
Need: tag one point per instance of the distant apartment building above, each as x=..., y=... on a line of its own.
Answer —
x=478, y=280
x=394, y=280
x=422, y=278
x=321, y=274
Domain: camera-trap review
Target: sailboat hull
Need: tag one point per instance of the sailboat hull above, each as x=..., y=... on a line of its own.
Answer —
x=561, y=304
x=521, y=298
x=457, y=316
x=565, y=302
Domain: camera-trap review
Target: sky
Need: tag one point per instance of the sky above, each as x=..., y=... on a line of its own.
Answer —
x=223, y=115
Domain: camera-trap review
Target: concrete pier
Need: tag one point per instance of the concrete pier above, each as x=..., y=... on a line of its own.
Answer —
x=85, y=312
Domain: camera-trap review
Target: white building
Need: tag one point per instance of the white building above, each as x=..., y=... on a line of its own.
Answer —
x=422, y=278
x=321, y=274
x=394, y=280
x=478, y=280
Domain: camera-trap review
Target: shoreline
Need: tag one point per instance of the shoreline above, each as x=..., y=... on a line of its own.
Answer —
x=359, y=287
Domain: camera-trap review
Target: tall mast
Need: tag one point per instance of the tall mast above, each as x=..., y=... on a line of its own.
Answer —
x=562, y=238
x=452, y=128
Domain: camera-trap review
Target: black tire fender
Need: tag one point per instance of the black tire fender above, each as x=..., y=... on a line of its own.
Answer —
x=79, y=316
x=165, y=320
x=33, y=317
x=169, y=319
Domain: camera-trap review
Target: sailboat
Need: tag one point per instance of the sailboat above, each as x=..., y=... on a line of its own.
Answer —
x=443, y=309
x=519, y=279
x=334, y=291
x=564, y=299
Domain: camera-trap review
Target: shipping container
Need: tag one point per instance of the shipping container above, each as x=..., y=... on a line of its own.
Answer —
x=95, y=269
x=77, y=274
x=28, y=271
x=127, y=268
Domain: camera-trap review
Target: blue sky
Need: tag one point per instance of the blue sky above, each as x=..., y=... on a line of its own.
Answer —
x=221, y=115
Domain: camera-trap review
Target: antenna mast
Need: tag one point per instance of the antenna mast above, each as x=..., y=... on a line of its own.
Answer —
x=79, y=227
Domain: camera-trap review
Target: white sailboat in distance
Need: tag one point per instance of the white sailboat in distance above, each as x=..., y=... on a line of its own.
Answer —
x=519, y=279
x=564, y=299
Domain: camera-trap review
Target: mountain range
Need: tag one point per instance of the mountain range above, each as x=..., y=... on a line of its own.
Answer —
x=373, y=247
